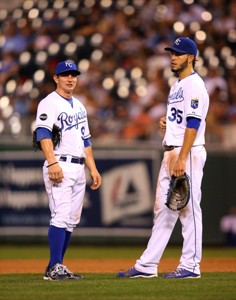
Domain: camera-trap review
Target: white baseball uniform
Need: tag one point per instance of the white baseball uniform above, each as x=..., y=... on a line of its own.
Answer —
x=65, y=198
x=187, y=98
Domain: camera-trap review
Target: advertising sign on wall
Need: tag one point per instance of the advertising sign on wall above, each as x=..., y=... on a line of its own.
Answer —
x=125, y=199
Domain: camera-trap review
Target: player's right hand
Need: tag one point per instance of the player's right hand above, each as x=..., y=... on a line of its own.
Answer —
x=162, y=123
x=55, y=173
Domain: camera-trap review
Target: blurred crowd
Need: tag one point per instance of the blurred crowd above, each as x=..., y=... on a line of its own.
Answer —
x=119, y=48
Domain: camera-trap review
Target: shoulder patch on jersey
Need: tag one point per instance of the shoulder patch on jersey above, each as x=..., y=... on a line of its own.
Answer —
x=43, y=117
x=194, y=103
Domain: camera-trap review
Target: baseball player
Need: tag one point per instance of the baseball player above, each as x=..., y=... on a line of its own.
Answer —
x=64, y=167
x=184, y=126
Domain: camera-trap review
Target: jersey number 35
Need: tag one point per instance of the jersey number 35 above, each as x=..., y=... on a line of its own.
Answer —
x=176, y=115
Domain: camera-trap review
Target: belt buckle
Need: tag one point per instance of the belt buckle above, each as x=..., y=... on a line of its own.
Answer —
x=68, y=158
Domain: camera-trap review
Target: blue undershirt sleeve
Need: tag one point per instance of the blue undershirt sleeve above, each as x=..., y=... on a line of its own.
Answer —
x=43, y=133
x=87, y=143
x=193, y=123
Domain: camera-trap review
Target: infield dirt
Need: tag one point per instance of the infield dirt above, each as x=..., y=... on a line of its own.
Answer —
x=110, y=265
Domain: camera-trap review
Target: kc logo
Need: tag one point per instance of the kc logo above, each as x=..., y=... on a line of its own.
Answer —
x=194, y=103
x=68, y=64
x=177, y=42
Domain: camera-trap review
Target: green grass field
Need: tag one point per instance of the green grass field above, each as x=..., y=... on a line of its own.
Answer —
x=217, y=285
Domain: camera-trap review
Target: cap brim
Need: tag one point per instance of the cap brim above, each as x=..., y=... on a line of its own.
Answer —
x=70, y=71
x=174, y=49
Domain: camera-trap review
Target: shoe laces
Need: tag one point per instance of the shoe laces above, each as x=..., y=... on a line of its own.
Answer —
x=58, y=269
x=178, y=272
x=130, y=271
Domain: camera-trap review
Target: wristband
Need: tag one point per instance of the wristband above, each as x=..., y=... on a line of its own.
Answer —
x=52, y=164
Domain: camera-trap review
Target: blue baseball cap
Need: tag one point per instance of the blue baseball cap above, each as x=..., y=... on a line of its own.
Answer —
x=66, y=66
x=184, y=45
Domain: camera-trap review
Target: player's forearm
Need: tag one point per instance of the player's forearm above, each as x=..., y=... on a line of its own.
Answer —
x=89, y=161
x=47, y=147
x=189, y=138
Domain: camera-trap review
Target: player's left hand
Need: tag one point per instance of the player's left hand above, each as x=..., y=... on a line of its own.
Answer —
x=179, y=167
x=97, y=180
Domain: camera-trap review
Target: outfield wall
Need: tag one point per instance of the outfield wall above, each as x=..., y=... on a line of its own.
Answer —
x=121, y=210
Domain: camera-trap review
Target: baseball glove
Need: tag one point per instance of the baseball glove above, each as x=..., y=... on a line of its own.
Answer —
x=178, y=193
x=56, y=138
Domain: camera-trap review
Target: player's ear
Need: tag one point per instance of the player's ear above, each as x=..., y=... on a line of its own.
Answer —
x=55, y=78
x=190, y=58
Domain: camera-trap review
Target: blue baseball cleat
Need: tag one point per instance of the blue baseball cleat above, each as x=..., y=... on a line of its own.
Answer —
x=182, y=274
x=133, y=273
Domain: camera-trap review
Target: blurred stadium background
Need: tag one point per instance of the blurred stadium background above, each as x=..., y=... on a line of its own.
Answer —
x=118, y=46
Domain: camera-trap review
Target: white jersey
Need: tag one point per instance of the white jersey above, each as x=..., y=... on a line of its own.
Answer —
x=187, y=98
x=72, y=121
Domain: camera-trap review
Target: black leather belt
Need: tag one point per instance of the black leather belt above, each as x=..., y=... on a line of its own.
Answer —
x=73, y=160
x=170, y=148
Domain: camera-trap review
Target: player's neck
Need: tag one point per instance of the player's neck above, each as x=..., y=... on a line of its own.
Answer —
x=64, y=94
x=185, y=73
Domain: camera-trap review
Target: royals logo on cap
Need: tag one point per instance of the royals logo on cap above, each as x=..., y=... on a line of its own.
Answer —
x=184, y=45
x=66, y=66
x=177, y=42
